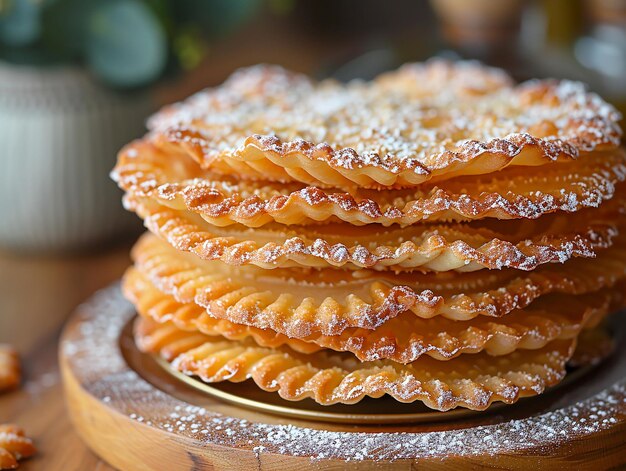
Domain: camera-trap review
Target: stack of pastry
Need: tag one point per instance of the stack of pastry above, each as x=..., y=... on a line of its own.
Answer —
x=439, y=234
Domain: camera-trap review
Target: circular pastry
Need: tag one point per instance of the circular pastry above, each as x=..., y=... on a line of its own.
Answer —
x=521, y=244
x=422, y=123
x=300, y=304
x=471, y=381
x=145, y=171
x=438, y=234
x=402, y=339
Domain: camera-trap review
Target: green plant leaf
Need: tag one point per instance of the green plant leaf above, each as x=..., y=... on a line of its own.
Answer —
x=20, y=22
x=189, y=48
x=126, y=45
x=64, y=26
x=218, y=17
x=163, y=11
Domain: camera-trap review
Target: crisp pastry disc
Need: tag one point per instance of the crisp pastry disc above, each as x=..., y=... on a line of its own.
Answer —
x=14, y=446
x=403, y=339
x=160, y=307
x=402, y=130
x=145, y=171
x=9, y=368
x=520, y=244
x=301, y=303
x=471, y=381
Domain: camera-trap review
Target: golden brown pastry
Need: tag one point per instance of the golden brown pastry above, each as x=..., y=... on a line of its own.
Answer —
x=472, y=381
x=403, y=339
x=9, y=368
x=401, y=130
x=522, y=244
x=14, y=446
x=438, y=234
x=300, y=304
x=148, y=172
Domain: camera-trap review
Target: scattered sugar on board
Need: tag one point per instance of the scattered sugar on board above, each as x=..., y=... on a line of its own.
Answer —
x=115, y=384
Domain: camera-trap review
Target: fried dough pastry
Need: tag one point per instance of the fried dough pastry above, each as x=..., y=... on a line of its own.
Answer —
x=160, y=307
x=399, y=131
x=403, y=339
x=14, y=446
x=145, y=171
x=438, y=234
x=472, y=381
x=520, y=244
x=299, y=303
x=9, y=368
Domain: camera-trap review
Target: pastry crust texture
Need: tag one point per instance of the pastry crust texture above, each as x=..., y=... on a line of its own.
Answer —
x=329, y=302
x=438, y=234
x=472, y=381
x=146, y=171
x=14, y=446
x=523, y=244
x=403, y=339
x=401, y=130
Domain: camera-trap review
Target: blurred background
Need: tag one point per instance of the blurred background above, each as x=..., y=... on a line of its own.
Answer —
x=79, y=77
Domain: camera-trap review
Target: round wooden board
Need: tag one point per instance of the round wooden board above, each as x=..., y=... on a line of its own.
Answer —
x=136, y=417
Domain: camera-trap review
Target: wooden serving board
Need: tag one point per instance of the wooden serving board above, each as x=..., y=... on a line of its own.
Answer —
x=137, y=417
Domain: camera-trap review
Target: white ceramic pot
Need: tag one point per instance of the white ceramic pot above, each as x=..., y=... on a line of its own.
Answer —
x=59, y=134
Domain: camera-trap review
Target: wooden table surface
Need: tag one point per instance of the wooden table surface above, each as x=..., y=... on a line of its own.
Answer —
x=36, y=296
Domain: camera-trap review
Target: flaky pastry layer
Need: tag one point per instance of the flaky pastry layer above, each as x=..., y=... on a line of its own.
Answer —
x=472, y=381
x=401, y=130
x=160, y=307
x=177, y=182
x=523, y=244
x=301, y=303
x=403, y=339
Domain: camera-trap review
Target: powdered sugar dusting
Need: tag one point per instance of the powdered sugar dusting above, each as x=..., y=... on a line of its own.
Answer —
x=222, y=200
x=415, y=121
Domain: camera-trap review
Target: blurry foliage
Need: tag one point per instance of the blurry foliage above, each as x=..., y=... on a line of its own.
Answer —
x=127, y=43
x=282, y=7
